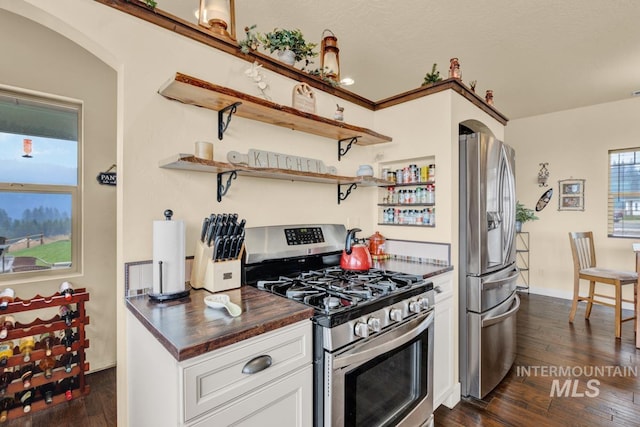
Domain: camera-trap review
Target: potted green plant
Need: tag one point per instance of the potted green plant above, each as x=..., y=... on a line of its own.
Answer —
x=290, y=45
x=523, y=215
x=432, y=77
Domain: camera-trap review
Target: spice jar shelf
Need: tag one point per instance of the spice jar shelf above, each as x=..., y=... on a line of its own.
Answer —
x=72, y=361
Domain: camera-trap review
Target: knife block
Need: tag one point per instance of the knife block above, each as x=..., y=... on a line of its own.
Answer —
x=198, y=269
x=221, y=275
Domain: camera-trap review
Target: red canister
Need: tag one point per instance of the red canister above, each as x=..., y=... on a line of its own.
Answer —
x=376, y=244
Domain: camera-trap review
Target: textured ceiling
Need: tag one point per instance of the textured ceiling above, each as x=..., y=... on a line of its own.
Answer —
x=537, y=56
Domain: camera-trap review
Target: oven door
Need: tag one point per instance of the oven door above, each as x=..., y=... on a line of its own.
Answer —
x=383, y=381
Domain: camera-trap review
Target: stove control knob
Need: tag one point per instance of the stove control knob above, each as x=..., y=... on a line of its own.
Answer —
x=374, y=324
x=395, y=314
x=424, y=302
x=361, y=330
x=415, y=307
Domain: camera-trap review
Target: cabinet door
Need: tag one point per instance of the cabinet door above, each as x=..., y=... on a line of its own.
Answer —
x=287, y=402
x=443, y=358
x=219, y=378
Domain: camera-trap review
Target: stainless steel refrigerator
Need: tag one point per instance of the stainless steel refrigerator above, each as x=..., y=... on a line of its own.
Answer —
x=488, y=272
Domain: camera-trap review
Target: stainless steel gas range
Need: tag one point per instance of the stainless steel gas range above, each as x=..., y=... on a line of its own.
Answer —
x=373, y=331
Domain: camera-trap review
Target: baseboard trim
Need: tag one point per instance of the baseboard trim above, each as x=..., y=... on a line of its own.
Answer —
x=564, y=295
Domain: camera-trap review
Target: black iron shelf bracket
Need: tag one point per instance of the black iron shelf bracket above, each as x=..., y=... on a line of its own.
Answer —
x=223, y=188
x=222, y=123
x=343, y=151
x=343, y=196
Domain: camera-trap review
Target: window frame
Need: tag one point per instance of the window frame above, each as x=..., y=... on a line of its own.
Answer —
x=53, y=101
x=611, y=195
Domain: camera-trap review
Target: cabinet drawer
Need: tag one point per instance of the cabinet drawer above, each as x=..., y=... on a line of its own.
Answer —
x=286, y=402
x=218, y=379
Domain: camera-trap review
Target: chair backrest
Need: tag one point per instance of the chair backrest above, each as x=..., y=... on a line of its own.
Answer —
x=582, y=249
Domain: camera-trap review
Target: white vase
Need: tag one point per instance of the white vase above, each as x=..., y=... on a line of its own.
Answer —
x=287, y=56
x=518, y=227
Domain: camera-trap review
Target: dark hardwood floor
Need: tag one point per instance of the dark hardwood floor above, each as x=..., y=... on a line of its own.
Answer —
x=547, y=340
x=97, y=409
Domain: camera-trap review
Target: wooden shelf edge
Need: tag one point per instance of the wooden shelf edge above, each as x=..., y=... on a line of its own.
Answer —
x=190, y=162
x=194, y=91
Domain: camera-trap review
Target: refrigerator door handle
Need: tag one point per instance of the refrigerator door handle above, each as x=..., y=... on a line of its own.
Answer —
x=515, y=306
x=497, y=283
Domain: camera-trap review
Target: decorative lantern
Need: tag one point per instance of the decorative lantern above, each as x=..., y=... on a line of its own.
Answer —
x=489, y=97
x=329, y=56
x=26, y=147
x=219, y=17
x=454, y=68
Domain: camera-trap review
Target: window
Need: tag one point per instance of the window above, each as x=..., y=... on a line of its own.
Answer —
x=624, y=193
x=39, y=185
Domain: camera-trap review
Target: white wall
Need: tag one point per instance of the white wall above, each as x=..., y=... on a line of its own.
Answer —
x=38, y=59
x=575, y=143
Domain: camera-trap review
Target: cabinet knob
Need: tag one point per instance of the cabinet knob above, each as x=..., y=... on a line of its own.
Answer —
x=257, y=364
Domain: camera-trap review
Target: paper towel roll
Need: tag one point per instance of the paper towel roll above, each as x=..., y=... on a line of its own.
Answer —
x=168, y=248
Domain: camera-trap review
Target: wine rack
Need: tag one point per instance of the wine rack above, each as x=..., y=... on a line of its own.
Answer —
x=55, y=326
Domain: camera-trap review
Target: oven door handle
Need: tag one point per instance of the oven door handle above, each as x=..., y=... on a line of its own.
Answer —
x=384, y=342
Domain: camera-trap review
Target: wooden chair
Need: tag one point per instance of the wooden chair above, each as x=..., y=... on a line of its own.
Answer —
x=584, y=267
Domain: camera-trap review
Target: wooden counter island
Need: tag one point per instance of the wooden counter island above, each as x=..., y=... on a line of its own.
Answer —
x=192, y=365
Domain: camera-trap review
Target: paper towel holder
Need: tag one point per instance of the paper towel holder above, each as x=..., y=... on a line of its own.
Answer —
x=161, y=295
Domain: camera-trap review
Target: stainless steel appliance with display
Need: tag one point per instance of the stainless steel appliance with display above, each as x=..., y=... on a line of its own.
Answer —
x=373, y=330
x=488, y=273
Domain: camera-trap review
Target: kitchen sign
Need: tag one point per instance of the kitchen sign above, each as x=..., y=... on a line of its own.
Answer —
x=269, y=159
x=108, y=177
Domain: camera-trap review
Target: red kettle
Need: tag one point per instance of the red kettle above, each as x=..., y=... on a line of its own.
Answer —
x=355, y=256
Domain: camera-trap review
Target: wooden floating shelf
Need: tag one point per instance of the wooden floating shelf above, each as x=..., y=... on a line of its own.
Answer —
x=192, y=163
x=193, y=91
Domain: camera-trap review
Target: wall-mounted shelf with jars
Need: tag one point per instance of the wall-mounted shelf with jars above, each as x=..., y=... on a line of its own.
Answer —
x=192, y=163
x=410, y=199
x=226, y=101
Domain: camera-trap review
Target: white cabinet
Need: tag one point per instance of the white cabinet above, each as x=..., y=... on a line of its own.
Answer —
x=212, y=390
x=446, y=388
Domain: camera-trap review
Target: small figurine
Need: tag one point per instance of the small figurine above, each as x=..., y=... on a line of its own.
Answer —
x=489, y=97
x=472, y=85
x=339, y=114
x=454, y=68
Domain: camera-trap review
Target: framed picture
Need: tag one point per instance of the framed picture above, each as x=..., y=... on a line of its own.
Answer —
x=571, y=195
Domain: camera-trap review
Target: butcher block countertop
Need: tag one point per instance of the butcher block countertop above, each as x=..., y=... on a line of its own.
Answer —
x=187, y=327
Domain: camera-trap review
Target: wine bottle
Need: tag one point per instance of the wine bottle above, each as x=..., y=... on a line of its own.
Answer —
x=5, y=405
x=6, y=351
x=66, y=386
x=6, y=296
x=26, y=346
x=5, y=379
x=46, y=341
x=68, y=339
x=66, y=314
x=66, y=290
x=8, y=322
x=26, y=374
x=67, y=361
x=46, y=365
x=47, y=390
x=25, y=398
